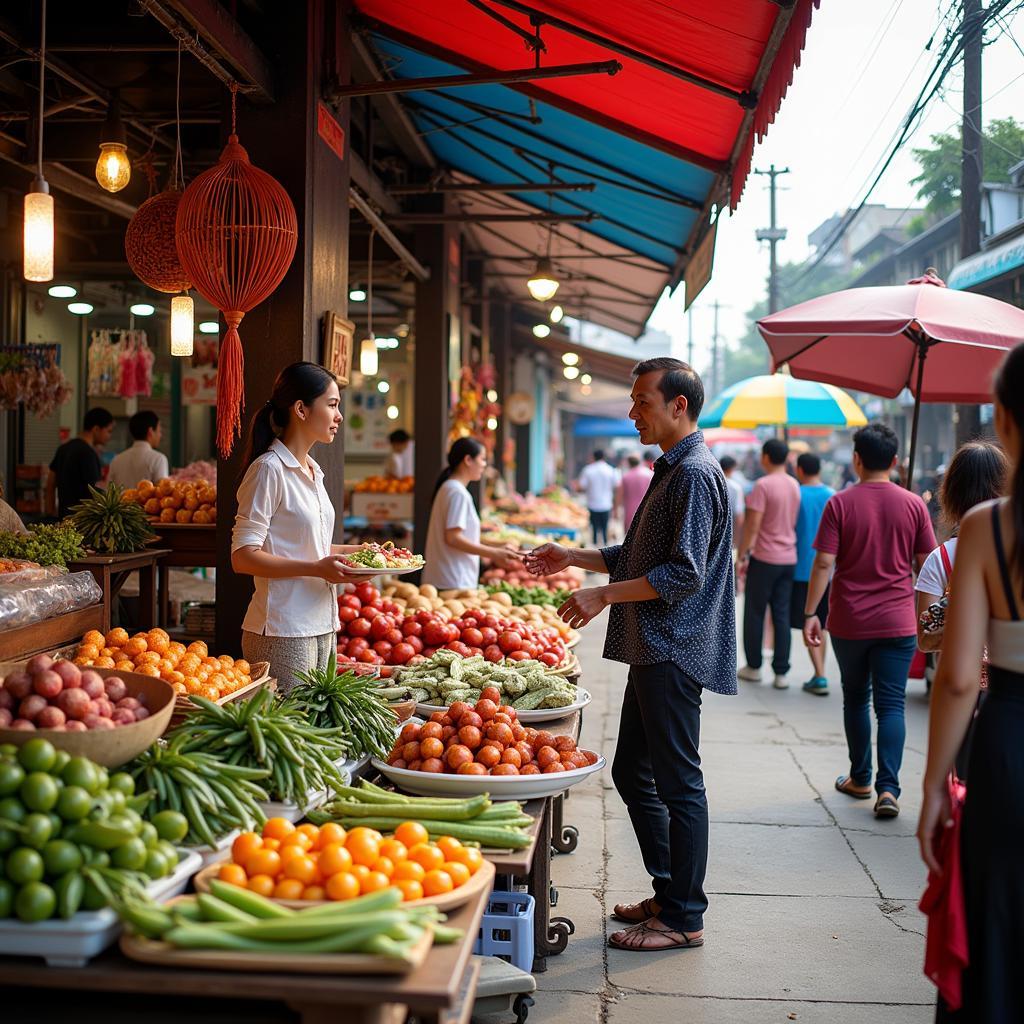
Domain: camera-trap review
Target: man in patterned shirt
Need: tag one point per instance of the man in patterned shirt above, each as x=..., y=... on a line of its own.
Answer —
x=673, y=621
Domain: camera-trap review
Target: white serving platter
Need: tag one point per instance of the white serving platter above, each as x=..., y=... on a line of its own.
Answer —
x=527, y=717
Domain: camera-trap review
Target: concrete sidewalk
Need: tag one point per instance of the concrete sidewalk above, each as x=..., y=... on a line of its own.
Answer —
x=812, y=900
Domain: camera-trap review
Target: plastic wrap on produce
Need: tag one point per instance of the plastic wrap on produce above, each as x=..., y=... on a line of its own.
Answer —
x=25, y=601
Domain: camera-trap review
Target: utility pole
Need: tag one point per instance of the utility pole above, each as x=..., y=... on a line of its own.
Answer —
x=773, y=234
x=689, y=339
x=968, y=418
x=715, y=378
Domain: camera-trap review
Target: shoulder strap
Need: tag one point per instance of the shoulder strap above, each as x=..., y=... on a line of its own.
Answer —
x=946, y=563
x=1004, y=568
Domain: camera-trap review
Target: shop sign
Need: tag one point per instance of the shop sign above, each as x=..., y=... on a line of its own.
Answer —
x=330, y=131
x=699, y=267
x=198, y=385
x=520, y=408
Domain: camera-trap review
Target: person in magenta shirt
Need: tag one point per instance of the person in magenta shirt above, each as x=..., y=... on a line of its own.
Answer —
x=874, y=535
x=767, y=559
x=632, y=488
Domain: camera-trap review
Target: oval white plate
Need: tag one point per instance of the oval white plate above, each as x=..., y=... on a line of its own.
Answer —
x=527, y=717
x=351, y=570
x=500, y=787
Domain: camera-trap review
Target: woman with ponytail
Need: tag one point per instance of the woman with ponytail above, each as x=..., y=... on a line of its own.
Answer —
x=986, y=604
x=285, y=524
x=453, y=549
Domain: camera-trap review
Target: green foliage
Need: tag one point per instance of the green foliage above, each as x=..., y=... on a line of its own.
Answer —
x=46, y=544
x=109, y=525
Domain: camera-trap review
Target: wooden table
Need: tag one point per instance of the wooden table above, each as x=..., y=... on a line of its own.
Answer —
x=440, y=991
x=188, y=547
x=111, y=572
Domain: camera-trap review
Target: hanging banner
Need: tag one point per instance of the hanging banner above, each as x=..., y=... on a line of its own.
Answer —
x=699, y=267
x=198, y=385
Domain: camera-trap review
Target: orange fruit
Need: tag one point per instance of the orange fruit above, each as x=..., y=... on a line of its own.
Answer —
x=334, y=858
x=471, y=857
x=136, y=646
x=277, y=828
x=244, y=846
x=264, y=862
x=458, y=873
x=95, y=638
x=190, y=662
x=209, y=692
x=198, y=647
x=226, y=660
x=84, y=662
x=124, y=666
x=174, y=677
x=299, y=839
x=330, y=833
x=302, y=869
x=409, y=871
x=176, y=648
x=394, y=850
x=272, y=844
x=117, y=637
x=311, y=830
x=142, y=670
x=384, y=865
x=437, y=883
x=148, y=658
x=289, y=851
x=374, y=882
x=165, y=665
x=288, y=889
x=234, y=874
x=411, y=889
x=428, y=856
x=262, y=884
x=360, y=871
x=365, y=849
x=158, y=642
x=314, y=892
x=179, y=688
x=218, y=681
x=89, y=650
x=241, y=665
x=157, y=631
x=192, y=684
x=342, y=886
x=411, y=833
x=448, y=845
x=108, y=663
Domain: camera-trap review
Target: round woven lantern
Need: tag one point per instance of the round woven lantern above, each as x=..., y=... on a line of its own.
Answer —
x=150, y=247
x=236, y=232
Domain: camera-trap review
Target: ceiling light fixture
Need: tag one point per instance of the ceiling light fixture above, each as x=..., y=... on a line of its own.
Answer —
x=492, y=395
x=570, y=372
x=183, y=317
x=357, y=295
x=209, y=327
x=541, y=330
x=62, y=291
x=492, y=423
x=586, y=379
x=392, y=412
x=556, y=314
x=80, y=308
x=383, y=387
x=142, y=309
x=113, y=168
x=570, y=358
x=38, y=231
x=542, y=283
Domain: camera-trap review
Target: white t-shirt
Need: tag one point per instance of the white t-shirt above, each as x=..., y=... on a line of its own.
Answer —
x=400, y=464
x=932, y=577
x=140, y=462
x=736, y=501
x=599, y=481
x=447, y=568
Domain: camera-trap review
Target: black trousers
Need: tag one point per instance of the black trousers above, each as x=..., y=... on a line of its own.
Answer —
x=767, y=585
x=599, y=526
x=657, y=773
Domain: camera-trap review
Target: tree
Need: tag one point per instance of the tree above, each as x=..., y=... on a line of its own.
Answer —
x=939, y=180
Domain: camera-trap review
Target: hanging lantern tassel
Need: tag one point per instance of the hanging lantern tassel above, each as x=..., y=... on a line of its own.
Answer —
x=235, y=232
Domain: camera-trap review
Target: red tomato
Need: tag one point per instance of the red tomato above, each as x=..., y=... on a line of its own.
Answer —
x=488, y=636
x=510, y=641
x=379, y=626
x=549, y=659
x=358, y=627
x=350, y=601
x=356, y=646
x=392, y=609
x=383, y=648
x=473, y=637
x=410, y=627
x=367, y=592
x=401, y=653
x=368, y=657
x=435, y=634
x=453, y=632
x=494, y=654
x=424, y=617
x=459, y=648
x=394, y=636
x=415, y=643
x=490, y=621
x=518, y=656
x=347, y=615
x=429, y=652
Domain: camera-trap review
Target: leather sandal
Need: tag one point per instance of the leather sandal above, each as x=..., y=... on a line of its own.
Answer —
x=887, y=806
x=640, y=911
x=846, y=785
x=633, y=939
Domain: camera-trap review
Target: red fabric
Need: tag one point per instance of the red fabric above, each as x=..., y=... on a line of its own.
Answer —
x=946, y=950
x=725, y=43
x=918, y=664
x=874, y=530
x=854, y=339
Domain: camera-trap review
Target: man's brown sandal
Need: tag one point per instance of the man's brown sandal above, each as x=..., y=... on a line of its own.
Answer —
x=846, y=785
x=887, y=806
x=635, y=913
x=634, y=939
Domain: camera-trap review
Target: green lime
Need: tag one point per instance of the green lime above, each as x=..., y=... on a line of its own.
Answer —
x=6, y=898
x=59, y=762
x=12, y=809
x=37, y=755
x=117, y=801
x=35, y=902
x=102, y=806
x=96, y=858
x=74, y=803
x=60, y=857
x=156, y=865
x=130, y=855
x=12, y=775
x=93, y=898
x=24, y=865
x=102, y=777
x=55, y=819
x=122, y=782
x=148, y=834
x=39, y=791
x=168, y=850
x=80, y=771
x=9, y=839
x=171, y=825
x=37, y=830
x=129, y=821
x=8, y=750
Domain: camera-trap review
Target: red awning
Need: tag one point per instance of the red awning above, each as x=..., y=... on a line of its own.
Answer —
x=699, y=80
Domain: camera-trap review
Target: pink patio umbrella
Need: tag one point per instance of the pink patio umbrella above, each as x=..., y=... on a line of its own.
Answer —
x=942, y=344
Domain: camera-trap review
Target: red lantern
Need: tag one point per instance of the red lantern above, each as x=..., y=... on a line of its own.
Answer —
x=236, y=233
x=150, y=247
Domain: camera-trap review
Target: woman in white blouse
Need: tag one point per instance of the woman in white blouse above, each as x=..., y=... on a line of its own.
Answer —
x=284, y=526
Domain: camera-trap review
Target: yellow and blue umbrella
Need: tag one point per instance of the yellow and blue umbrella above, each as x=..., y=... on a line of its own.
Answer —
x=779, y=399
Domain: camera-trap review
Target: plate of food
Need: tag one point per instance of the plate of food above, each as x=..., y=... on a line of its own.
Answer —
x=377, y=559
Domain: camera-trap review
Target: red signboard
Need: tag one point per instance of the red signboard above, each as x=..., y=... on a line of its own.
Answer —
x=330, y=131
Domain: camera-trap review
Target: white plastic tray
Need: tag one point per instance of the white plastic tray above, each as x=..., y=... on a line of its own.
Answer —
x=210, y=854
x=500, y=787
x=527, y=717
x=75, y=942
x=293, y=812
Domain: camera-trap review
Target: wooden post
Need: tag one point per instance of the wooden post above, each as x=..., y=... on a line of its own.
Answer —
x=292, y=141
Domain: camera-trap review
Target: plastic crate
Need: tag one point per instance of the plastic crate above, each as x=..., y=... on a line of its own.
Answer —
x=506, y=930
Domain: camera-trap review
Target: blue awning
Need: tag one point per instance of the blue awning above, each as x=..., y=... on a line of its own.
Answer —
x=601, y=426
x=988, y=265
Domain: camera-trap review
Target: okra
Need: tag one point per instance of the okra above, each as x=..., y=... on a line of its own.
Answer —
x=250, y=902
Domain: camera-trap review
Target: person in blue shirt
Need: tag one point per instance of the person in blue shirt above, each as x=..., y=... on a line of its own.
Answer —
x=814, y=496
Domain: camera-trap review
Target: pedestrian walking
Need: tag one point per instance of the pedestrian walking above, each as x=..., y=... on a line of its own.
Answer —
x=986, y=603
x=737, y=500
x=598, y=481
x=141, y=461
x=402, y=460
x=76, y=465
x=284, y=527
x=632, y=488
x=672, y=621
x=873, y=536
x=766, y=560
x=814, y=496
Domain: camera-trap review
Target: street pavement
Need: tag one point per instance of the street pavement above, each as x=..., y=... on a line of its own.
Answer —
x=813, y=902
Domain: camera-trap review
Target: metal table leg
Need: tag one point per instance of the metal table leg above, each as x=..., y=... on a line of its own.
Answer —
x=550, y=934
x=564, y=838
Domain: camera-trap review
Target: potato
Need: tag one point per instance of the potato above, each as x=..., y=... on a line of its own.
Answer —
x=428, y=590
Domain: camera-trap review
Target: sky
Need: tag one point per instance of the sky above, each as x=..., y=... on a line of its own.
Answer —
x=863, y=65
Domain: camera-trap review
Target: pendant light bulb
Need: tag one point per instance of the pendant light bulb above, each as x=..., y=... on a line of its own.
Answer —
x=38, y=239
x=113, y=168
x=182, y=325
x=369, y=361
x=543, y=284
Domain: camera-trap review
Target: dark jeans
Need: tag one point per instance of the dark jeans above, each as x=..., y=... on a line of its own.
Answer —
x=657, y=773
x=767, y=585
x=875, y=671
x=599, y=526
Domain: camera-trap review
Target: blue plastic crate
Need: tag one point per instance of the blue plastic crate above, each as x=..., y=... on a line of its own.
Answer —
x=506, y=930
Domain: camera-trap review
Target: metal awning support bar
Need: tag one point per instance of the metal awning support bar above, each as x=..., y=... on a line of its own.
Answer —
x=745, y=98
x=485, y=186
x=398, y=85
x=496, y=218
x=417, y=269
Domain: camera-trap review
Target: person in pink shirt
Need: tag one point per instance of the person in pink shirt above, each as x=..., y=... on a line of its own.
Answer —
x=632, y=488
x=766, y=558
